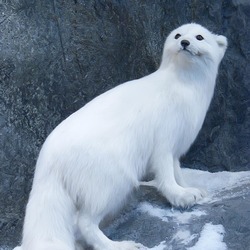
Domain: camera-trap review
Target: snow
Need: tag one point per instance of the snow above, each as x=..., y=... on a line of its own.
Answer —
x=165, y=214
x=154, y=211
x=184, y=237
x=219, y=186
x=213, y=183
x=211, y=238
x=216, y=183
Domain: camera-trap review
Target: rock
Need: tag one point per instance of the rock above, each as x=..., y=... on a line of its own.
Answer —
x=150, y=220
x=58, y=55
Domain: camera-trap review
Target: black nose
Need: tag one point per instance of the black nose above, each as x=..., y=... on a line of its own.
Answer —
x=185, y=43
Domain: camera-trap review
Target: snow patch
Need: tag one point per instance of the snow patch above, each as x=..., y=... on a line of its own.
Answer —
x=186, y=216
x=184, y=237
x=217, y=183
x=166, y=214
x=160, y=213
x=211, y=237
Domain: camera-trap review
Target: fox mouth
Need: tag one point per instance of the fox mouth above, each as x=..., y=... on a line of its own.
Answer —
x=187, y=51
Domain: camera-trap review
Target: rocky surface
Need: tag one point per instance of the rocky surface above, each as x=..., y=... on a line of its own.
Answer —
x=151, y=221
x=220, y=222
x=57, y=55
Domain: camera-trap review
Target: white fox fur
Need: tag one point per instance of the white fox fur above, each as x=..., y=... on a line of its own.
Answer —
x=91, y=162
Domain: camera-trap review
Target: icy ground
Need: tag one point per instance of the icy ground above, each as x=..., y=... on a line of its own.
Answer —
x=220, y=222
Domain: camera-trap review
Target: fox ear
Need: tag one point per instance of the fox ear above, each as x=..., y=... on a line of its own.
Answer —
x=221, y=41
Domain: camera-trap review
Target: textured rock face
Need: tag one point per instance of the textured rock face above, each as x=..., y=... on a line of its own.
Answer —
x=57, y=55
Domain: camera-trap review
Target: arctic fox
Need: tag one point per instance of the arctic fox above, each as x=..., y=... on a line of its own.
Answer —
x=91, y=162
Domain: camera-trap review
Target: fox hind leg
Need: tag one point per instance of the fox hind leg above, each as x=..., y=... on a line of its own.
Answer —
x=96, y=238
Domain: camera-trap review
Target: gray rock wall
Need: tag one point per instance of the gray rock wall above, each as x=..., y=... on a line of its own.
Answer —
x=57, y=55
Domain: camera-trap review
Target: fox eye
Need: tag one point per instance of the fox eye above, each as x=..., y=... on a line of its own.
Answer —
x=199, y=37
x=177, y=36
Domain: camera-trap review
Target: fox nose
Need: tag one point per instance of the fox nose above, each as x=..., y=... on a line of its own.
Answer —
x=185, y=43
